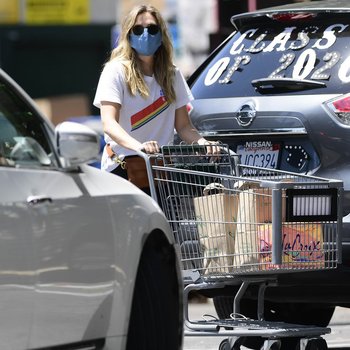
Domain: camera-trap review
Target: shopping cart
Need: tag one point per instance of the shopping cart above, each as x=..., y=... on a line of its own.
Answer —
x=242, y=225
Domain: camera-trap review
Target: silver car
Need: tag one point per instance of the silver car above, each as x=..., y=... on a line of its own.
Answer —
x=87, y=260
x=277, y=91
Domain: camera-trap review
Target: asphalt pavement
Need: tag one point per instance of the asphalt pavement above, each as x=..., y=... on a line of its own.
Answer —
x=338, y=338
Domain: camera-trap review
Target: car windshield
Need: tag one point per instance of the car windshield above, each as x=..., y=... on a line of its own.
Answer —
x=274, y=57
x=23, y=140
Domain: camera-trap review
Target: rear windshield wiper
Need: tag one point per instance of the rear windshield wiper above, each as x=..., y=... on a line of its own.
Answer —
x=287, y=83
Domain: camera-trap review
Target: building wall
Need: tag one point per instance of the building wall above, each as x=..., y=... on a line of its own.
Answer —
x=58, y=11
x=127, y=5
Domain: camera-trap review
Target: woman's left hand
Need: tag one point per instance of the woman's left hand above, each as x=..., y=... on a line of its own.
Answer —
x=213, y=147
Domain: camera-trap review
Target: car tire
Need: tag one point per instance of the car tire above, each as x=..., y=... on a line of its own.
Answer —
x=156, y=320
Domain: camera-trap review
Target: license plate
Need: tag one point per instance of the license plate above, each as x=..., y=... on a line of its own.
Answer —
x=263, y=154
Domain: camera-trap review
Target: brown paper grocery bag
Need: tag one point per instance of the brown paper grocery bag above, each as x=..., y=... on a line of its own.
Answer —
x=216, y=221
x=246, y=239
x=255, y=208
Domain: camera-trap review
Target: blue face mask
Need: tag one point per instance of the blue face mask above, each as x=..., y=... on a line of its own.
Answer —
x=145, y=44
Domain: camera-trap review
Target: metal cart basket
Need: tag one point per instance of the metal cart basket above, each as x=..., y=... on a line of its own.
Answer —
x=239, y=224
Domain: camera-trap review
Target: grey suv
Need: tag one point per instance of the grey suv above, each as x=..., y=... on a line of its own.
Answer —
x=277, y=90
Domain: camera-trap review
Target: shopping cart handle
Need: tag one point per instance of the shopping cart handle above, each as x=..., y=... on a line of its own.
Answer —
x=232, y=153
x=235, y=159
x=146, y=157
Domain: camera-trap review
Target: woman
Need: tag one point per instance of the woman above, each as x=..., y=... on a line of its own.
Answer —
x=142, y=96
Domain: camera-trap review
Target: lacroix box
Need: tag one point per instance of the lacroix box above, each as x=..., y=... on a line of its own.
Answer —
x=302, y=246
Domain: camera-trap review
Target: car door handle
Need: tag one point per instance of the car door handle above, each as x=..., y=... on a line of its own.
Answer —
x=33, y=200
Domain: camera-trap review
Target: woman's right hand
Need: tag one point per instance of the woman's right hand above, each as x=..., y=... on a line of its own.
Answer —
x=150, y=147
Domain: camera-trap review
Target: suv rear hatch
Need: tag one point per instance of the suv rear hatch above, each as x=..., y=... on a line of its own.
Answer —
x=277, y=91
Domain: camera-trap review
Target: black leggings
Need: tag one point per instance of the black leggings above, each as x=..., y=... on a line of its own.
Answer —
x=120, y=172
x=123, y=173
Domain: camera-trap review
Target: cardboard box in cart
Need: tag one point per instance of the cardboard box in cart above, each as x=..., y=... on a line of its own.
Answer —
x=302, y=246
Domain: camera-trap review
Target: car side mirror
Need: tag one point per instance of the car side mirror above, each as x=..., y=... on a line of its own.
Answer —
x=77, y=143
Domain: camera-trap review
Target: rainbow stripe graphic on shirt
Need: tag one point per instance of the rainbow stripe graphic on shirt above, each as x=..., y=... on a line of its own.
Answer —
x=150, y=112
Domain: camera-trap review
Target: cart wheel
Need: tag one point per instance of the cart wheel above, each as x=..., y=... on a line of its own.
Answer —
x=225, y=345
x=271, y=344
x=235, y=343
x=316, y=344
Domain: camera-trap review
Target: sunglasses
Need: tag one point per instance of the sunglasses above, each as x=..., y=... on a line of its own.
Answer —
x=152, y=29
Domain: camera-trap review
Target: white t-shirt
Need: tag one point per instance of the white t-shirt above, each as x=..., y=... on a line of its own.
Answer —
x=144, y=119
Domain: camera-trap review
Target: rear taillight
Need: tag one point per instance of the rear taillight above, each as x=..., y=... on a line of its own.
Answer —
x=340, y=108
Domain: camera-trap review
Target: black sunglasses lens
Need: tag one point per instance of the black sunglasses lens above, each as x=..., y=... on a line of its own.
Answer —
x=137, y=30
x=153, y=29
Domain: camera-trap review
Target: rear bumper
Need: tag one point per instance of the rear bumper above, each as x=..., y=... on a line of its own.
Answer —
x=326, y=287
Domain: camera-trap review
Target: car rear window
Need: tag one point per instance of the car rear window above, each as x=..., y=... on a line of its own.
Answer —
x=316, y=51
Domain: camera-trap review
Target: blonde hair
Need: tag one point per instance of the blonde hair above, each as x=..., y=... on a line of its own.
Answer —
x=164, y=69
